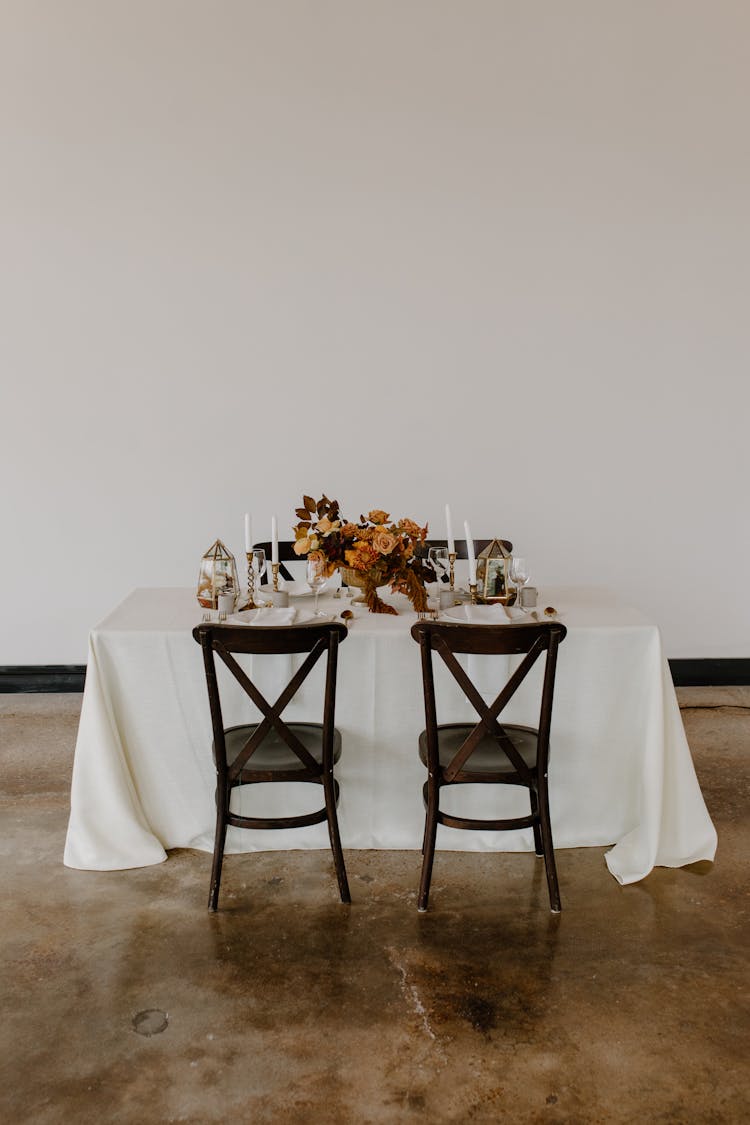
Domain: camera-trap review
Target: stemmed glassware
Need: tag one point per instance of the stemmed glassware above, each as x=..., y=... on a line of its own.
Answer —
x=316, y=580
x=519, y=573
x=259, y=566
x=439, y=561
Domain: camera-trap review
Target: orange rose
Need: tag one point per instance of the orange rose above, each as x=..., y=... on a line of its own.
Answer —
x=305, y=544
x=377, y=515
x=384, y=542
x=412, y=529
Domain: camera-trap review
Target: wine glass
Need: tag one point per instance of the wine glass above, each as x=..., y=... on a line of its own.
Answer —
x=259, y=565
x=519, y=573
x=316, y=580
x=438, y=560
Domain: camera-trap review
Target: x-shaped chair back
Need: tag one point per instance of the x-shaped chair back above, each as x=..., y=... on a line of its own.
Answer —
x=449, y=639
x=286, y=554
x=225, y=640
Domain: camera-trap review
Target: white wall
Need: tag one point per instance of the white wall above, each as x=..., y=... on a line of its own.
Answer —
x=403, y=251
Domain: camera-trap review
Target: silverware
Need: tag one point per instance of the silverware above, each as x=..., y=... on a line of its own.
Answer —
x=549, y=613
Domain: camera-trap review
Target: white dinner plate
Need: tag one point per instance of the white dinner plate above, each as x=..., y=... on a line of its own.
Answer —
x=293, y=589
x=302, y=617
x=486, y=615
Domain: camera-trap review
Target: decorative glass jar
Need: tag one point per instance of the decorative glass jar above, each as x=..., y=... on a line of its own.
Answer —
x=217, y=575
x=493, y=574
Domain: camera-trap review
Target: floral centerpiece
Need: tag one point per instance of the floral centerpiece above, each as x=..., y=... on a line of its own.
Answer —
x=374, y=552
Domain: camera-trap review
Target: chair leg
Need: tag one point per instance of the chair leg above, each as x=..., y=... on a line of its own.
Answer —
x=330, y=789
x=549, y=852
x=538, y=846
x=428, y=848
x=219, y=841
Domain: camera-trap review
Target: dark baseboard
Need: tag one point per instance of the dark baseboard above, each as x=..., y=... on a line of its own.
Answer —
x=71, y=677
x=42, y=677
x=711, y=672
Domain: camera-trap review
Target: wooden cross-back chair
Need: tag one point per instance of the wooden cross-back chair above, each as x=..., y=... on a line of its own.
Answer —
x=488, y=752
x=273, y=750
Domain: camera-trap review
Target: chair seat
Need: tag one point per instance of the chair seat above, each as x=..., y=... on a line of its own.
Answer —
x=273, y=753
x=488, y=757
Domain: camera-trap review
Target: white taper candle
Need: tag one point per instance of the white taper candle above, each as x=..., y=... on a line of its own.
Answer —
x=274, y=540
x=470, y=552
x=449, y=530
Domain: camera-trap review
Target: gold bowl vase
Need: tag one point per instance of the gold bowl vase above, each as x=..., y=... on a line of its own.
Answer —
x=357, y=579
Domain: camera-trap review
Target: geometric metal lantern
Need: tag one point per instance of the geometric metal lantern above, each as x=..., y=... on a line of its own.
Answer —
x=493, y=574
x=217, y=575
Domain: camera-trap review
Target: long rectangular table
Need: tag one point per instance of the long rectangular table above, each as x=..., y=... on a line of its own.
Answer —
x=620, y=769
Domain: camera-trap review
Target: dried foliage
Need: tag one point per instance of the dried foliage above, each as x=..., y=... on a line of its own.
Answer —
x=382, y=551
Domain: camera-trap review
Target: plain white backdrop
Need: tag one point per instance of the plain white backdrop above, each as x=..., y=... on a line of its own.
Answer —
x=490, y=253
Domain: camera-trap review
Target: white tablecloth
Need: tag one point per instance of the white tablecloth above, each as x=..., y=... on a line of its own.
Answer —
x=620, y=768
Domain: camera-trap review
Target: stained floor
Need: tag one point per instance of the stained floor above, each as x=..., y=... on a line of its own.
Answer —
x=124, y=1001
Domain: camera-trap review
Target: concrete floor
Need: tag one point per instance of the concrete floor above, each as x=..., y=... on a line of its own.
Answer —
x=124, y=1001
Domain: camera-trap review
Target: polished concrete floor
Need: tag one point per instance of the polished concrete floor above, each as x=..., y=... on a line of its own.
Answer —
x=124, y=1001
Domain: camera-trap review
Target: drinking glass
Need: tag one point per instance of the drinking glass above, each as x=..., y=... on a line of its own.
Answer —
x=439, y=561
x=259, y=566
x=316, y=580
x=519, y=573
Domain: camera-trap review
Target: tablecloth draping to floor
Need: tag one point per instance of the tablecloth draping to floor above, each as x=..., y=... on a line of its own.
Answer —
x=620, y=770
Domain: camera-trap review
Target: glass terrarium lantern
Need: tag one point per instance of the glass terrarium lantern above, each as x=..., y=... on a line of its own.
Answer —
x=493, y=573
x=217, y=575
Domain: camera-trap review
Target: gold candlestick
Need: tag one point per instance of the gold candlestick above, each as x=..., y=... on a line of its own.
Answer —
x=452, y=561
x=250, y=579
x=275, y=573
x=473, y=592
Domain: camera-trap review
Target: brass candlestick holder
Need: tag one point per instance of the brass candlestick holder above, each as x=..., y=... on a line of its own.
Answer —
x=452, y=576
x=275, y=575
x=250, y=579
x=473, y=592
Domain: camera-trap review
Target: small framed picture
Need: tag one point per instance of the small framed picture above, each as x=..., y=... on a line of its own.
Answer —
x=495, y=586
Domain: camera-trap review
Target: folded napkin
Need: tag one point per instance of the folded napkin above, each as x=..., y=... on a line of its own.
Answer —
x=274, y=616
x=516, y=613
x=493, y=614
x=486, y=614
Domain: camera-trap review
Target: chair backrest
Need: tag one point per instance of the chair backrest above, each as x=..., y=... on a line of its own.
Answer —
x=226, y=640
x=460, y=545
x=286, y=551
x=491, y=640
x=286, y=554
